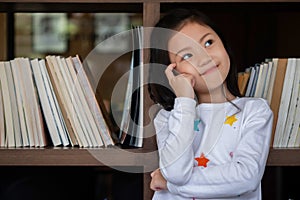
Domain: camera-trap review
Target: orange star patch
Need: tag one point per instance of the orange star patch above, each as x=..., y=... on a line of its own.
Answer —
x=230, y=120
x=202, y=160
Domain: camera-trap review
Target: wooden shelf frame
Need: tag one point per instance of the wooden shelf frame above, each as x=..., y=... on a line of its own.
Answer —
x=83, y=157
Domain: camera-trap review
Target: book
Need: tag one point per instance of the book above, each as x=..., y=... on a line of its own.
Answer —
x=284, y=102
x=252, y=70
x=63, y=123
x=27, y=102
x=75, y=99
x=14, y=108
x=48, y=107
x=18, y=82
x=53, y=102
x=243, y=79
x=269, y=66
x=294, y=113
x=8, y=117
x=90, y=122
x=261, y=80
x=2, y=121
x=126, y=118
x=297, y=141
x=133, y=109
x=276, y=94
x=66, y=102
x=34, y=104
x=272, y=80
x=255, y=78
x=94, y=106
x=288, y=138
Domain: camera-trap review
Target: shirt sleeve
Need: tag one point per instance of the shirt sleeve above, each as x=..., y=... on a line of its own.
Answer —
x=175, y=136
x=244, y=173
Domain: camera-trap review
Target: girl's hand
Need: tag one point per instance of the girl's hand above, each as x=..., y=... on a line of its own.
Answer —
x=182, y=84
x=158, y=182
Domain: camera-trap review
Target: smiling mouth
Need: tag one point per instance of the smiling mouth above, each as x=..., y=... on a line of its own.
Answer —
x=210, y=70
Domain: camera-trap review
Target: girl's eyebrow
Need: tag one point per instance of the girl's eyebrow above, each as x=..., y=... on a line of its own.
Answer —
x=200, y=41
x=204, y=36
x=181, y=50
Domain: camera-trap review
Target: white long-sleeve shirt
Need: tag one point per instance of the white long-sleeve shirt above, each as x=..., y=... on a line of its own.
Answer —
x=235, y=143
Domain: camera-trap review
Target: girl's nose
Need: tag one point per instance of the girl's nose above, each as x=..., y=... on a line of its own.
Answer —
x=203, y=58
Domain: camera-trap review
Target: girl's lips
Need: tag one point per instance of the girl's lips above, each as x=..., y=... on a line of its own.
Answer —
x=210, y=70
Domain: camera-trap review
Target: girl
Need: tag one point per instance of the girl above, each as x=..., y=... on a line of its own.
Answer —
x=213, y=144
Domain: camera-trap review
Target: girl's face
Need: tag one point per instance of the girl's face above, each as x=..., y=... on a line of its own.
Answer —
x=198, y=51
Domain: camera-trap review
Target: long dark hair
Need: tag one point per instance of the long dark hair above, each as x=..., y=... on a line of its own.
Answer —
x=159, y=88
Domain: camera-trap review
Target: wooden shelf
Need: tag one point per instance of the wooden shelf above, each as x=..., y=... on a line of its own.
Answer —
x=284, y=157
x=113, y=157
x=143, y=1
x=106, y=158
x=78, y=157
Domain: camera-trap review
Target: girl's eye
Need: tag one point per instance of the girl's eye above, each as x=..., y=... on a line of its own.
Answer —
x=208, y=43
x=186, y=56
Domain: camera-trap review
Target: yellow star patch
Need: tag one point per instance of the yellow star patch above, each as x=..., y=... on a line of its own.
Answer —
x=230, y=120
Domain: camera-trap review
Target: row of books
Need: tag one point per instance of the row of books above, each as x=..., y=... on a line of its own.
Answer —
x=49, y=102
x=278, y=81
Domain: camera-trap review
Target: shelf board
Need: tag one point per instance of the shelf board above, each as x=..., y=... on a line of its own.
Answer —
x=141, y=1
x=284, y=157
x=112, y=157
x=103, y=157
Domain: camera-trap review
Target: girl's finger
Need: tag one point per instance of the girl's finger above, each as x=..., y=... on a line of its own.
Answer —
x=169, y=71
x=190, y=78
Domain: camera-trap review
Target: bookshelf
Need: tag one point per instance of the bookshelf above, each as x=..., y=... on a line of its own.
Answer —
x=258, y=29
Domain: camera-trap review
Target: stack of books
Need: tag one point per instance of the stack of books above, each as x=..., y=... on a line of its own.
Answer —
x=49, y=102
x=278, y=81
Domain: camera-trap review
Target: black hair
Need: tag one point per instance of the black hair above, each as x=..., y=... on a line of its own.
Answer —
x=159, y=88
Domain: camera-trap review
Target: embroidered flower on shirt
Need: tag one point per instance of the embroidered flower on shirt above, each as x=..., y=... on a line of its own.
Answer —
x=202, y=160
x=230, y=120
x=196, y=123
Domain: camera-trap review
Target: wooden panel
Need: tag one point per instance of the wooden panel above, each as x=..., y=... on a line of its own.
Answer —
x=117, y=157
x=78, y=157
x=284, y=157
x=3, y=38
x=139, y=1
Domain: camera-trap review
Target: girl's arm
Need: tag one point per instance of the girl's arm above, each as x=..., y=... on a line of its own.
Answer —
x=175, y=136
x=244, y=173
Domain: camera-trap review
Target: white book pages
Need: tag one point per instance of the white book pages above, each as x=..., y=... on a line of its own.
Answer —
x=27, y=103
x=60, y=122
x=253, y=88
x=2, y=121
x=251, y=80
x=297, y=142
x=89, y=120
x=14, y=107
x=291, y=123
x=38, y=123
x=284, y=102
x=294, y=140
x=67, y=101
x=90, y=98
x=20, y=103
x=45, y=103
x=269, y=66
x=260, y=84
x=272, y=80
x=126, y=118
x=9, y=128
x=140, y=135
